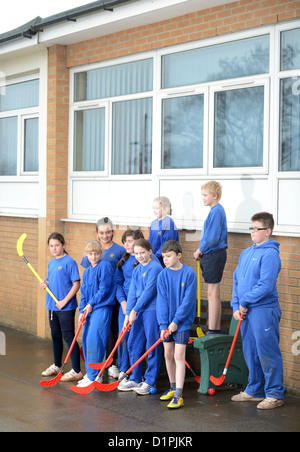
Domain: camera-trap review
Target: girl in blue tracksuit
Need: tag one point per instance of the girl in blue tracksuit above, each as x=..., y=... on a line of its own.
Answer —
x=255, y=296
x=124, y=272
x=97, y=301
x=141, y=313
x=163, y=227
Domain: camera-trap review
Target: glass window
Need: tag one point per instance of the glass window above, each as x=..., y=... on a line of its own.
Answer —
x=20, y=95
x=182, y=132
x=89, y=140
x=224, y=61
x=132, y=137
x=290, y=50
x=239, y=128
x=289, y=131
x=31, y=144
x=119, y=80
x=8, y=146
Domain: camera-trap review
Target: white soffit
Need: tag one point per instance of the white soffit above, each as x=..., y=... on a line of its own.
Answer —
x=136, y=14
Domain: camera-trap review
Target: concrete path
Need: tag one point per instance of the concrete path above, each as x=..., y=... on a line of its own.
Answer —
x=27, y=407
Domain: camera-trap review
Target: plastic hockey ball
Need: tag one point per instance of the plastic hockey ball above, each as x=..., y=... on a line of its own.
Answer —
x=211, y=391
x=153, y=390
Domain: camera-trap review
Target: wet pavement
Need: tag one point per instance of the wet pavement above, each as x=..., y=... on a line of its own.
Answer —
x=25, y=406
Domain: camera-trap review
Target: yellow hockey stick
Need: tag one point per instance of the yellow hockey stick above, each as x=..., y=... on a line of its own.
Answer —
x=21, y=254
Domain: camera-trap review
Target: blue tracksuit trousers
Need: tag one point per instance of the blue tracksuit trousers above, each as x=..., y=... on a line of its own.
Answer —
x=94, y=338
x=143, y=334
x=260, y=333
x=123, y=354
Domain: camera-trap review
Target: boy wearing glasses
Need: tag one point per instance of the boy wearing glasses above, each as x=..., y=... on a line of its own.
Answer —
x=255, y=296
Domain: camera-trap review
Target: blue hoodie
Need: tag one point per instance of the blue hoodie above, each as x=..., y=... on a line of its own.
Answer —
x=254, y=280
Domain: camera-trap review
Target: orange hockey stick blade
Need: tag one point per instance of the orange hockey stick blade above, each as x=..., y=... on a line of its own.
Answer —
x=106, y=387
x=217, y=381
x=54, y=381
x=99, y=366
x=83, y=390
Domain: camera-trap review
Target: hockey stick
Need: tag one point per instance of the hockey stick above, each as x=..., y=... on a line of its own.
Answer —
x=87, y=389
x=112, y=386
x=199, y=329
x=220, y=380
x=197, y=378
x=20, y=253
x=58, y=377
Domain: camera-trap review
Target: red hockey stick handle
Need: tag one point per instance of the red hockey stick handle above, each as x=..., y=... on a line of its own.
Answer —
x=234, y=341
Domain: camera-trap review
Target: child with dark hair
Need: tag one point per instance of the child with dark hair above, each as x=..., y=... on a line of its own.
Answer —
x=176, y=307
x=64, y=281
x=255, y=297
x=141, y=314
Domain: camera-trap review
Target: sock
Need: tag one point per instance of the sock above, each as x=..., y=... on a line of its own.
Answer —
x=178, y=392
x=173, y=386
x=213, y=332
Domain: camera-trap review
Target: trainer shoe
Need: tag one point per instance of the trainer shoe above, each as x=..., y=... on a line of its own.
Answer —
x=144, y=389
x=51, y=371
x=113, y=371
x=244, y=397
x=129, y=385
x=72, y=376
x=168, y=395
x=176, y=402
x=84, y=382
x=269, y=403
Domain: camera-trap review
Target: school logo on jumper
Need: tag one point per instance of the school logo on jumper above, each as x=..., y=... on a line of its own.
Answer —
x=182, y=284
x=111, y=255
x=60, y=268
x=144, y=274
x=2, y=343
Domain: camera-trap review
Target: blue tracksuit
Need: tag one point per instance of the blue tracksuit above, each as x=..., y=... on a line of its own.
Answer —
x=255, y=289
x=145, y=331
x=176, y=298
x=123, y=280
x=98, y=290
x=160, y=232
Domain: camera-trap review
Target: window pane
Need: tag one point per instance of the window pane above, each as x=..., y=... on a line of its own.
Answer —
x=89, y=140
x=290, y=50
x=289, y=140
x=182, y=132
x=230, y=60
x=31, y=145
x=239, y=128
x=20, y=95
x=8, y=146
x=119, y=80
x=132, y=137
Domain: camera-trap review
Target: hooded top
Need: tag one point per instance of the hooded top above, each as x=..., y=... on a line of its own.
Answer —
x=254, y=280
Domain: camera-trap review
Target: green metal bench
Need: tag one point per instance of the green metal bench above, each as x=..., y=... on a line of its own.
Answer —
x=214, y=350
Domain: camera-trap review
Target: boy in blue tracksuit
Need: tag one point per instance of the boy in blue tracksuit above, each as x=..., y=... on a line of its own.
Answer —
x=212, y=251
x=176, y=307
x=255, y=296
x=141, y=314
x=97, y=300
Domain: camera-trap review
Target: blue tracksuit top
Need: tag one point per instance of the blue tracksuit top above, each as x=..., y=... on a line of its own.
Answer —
x=62, y=273
x=123, y=278
x=98, y=288
x=214, y=232
x=111, y=255
x=254, y=281
x=143, y=292
x=160, y=232
x=176, y=298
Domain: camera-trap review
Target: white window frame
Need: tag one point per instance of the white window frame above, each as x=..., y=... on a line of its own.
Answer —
x=235, y=85
x=21, y=114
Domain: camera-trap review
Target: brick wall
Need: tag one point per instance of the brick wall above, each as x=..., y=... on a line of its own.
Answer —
x=200, y=25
